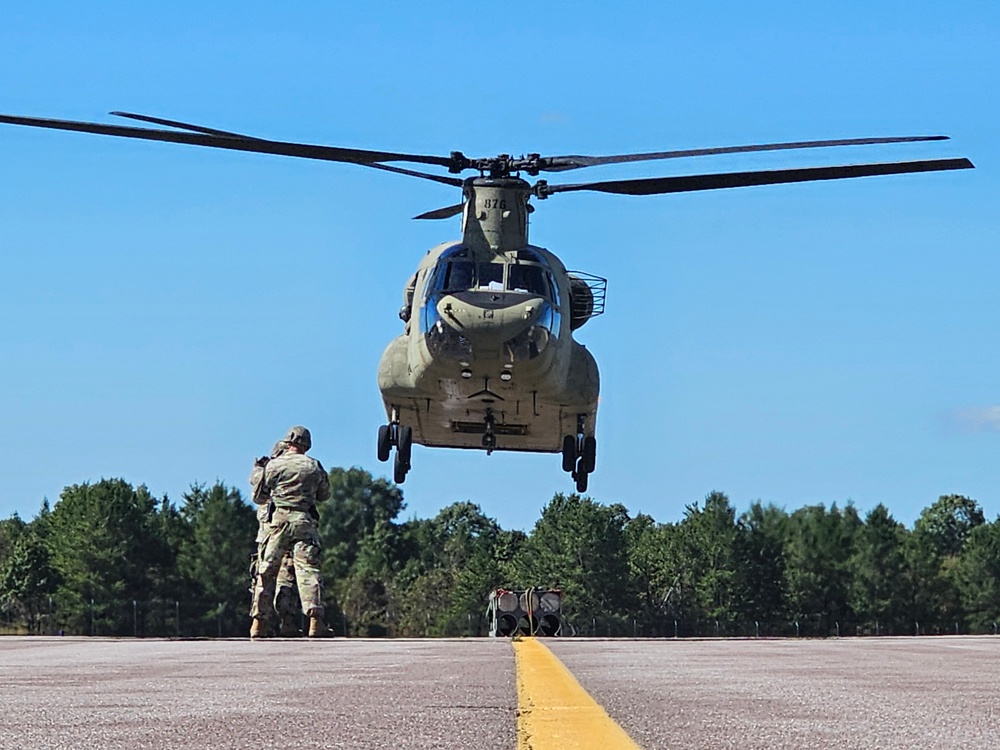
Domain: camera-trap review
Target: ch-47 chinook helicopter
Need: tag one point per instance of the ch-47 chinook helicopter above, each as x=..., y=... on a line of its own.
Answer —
x=488, y=359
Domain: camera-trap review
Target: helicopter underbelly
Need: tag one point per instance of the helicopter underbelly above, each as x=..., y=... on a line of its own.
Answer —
x=533, y=410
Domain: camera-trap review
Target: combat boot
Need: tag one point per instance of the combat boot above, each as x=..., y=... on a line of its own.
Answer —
x=259, y=628
x=318, y=628
x=289, y=629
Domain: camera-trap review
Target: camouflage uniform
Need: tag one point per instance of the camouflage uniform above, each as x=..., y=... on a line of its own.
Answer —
x=286, y=600
x=294, y=483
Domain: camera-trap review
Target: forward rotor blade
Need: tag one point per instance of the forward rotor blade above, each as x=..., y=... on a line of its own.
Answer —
x=563, y=163
x=239, y=143
x=442, y=213
x=660, y=185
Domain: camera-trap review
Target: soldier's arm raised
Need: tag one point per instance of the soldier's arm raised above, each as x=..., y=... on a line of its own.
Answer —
x=323, y=488
x=257, y=493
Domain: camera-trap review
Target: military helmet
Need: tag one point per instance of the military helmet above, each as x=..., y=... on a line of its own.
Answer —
x=299, y=435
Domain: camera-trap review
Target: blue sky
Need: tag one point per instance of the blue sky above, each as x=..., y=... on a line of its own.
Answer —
x=169, y=311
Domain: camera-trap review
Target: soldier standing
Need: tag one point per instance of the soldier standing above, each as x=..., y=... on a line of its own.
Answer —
x=286, y=600
x=294, y=483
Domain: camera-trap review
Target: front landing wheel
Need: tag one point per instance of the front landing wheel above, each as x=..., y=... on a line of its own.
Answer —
x=384, y=442
x=569, y=452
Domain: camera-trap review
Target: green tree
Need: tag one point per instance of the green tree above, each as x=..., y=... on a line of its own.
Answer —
x=509, y=548
x=10, y=529
x=362, y=548
x=364, y=592
x=818, y=546
x=105, y=546
x=933, y=552
x=978, y=575
x=763, y=530
x=948, y=522
x=357, y=504
x=214, y=550
x=713, y=555
x=28, y=581
x=443, y=589
x=655, y=571
x=579, y=545
x=877, y=567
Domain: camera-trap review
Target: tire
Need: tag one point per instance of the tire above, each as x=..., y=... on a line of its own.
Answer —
x=384, y=442
x=404, y=444
x=581, y=481
x=569, y=452
x=589, y=454
x=398, y=470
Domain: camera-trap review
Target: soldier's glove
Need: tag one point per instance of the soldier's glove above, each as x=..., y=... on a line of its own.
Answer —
x=262, y=461
x=314, y=512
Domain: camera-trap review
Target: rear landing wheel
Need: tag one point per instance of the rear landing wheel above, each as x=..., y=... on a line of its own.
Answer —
x=581, y=480
x=404, y=445
x=588, y=456
x=399, y=470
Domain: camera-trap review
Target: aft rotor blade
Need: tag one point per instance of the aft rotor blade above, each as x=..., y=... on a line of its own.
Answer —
x=444, y=180
x=453, y=181
x=181, y=125
x=659, y=185
x=563, y=163
x=442, y=213
x=240, y=143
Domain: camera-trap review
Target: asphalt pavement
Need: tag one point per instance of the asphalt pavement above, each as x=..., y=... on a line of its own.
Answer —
x=74, y=693
x=887, y=693
x=850, y=693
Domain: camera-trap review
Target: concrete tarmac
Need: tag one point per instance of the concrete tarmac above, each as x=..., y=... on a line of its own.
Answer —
x=888, y=693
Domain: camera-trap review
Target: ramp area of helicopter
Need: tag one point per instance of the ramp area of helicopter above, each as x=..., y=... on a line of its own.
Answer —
x=891, y=693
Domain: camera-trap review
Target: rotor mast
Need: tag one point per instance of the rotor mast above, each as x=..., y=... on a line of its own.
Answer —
x=495, y=214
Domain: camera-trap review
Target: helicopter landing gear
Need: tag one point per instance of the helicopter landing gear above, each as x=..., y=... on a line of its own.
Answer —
x=579, y=456
x=384, y=442
x=569, y=453
x=401, y=436
x=489, y=437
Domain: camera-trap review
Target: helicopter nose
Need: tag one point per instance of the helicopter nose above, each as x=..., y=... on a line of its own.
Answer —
x=487, y=317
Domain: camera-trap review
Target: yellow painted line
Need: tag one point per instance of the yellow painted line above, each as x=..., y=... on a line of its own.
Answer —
x=554, y=712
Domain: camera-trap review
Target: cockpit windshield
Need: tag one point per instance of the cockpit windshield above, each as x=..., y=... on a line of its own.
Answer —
x=527, y=274
x=490, y=276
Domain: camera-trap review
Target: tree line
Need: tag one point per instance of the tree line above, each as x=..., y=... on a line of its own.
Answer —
x=108, y=558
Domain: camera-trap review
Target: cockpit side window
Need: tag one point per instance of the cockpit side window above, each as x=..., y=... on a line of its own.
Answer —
x=458, y=276
x=453, y=271
x=527, y=280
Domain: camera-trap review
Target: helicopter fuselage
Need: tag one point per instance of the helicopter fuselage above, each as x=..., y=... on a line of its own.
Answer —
x=488, y=359
x=490, y=351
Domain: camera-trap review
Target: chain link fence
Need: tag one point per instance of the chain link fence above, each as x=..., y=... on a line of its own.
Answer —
x=178, y=618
